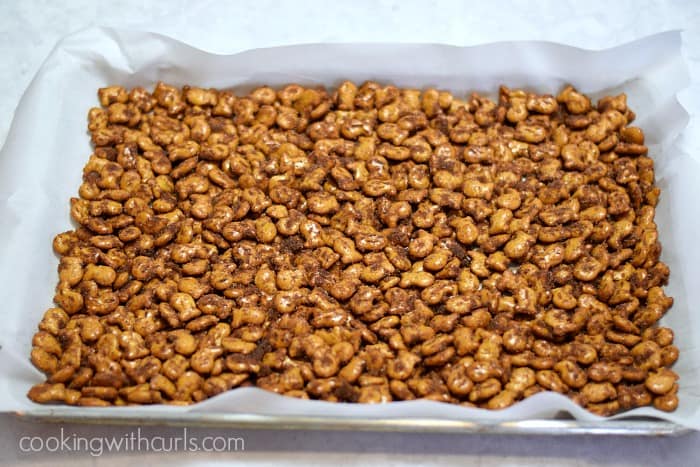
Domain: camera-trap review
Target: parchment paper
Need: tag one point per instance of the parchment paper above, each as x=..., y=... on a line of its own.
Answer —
x=41, y=165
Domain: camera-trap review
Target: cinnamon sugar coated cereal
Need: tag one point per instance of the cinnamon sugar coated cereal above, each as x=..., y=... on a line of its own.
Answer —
x=366, y=244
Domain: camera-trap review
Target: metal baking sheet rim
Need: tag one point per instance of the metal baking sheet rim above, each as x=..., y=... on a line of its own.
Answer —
x=548, y=427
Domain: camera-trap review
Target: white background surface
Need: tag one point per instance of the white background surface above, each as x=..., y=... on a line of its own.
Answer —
x=29, y=29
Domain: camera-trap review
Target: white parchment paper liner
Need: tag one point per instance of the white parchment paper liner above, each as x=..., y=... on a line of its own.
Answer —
x=41, y=165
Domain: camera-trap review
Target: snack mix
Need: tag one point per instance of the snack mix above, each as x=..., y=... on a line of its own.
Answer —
x=369, y=244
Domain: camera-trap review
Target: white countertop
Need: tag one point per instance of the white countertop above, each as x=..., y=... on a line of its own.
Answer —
x=29, y=30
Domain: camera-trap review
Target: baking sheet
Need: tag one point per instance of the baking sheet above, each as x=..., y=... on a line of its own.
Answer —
x=41, y=165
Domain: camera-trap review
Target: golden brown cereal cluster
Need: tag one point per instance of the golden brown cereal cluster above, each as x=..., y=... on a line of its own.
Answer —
x=366, y=245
